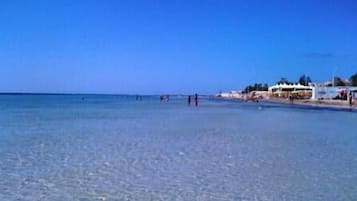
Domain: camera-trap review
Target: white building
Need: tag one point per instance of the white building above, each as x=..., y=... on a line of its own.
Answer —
x=231, y=94
x=286, y=90
x=321, y=92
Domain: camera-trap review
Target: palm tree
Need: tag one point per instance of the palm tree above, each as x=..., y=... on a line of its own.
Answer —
x=304, y=80
x=284, y=81
x=353, y=80
x=337, y=81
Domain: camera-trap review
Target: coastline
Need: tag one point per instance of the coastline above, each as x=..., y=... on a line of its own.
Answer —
x=332, y=104
x=335, y=104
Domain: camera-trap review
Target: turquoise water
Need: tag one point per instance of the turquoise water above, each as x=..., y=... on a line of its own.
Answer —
x=55, y=147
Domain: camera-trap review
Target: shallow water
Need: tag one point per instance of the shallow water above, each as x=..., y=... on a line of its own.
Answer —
x=55, y=147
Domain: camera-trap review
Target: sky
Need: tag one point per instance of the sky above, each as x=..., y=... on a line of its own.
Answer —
x=172, y=46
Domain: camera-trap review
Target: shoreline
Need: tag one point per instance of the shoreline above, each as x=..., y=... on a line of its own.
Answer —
x=332, y=104
x=335, y=104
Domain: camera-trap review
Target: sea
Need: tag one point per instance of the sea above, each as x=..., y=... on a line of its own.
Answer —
x=114, y=147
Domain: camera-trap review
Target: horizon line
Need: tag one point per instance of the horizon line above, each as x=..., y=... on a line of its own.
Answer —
x=103, y=94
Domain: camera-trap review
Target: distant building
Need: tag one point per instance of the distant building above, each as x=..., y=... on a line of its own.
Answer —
x=331, y=83
x=328, y=83
x=324, y=92
x=347, y=82
x=286, y=90
x=231, y=94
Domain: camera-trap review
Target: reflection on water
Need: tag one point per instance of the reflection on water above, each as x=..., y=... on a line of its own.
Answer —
x=116, y=148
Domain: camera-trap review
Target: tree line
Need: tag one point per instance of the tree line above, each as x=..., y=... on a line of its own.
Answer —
x=353, y=80
x=303, y=80
x=256, y=87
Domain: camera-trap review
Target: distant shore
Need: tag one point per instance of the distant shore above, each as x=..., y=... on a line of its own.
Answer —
x=338, y=104
x=335, y=104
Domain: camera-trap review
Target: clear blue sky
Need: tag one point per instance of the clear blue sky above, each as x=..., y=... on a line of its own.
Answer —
x=172, y=46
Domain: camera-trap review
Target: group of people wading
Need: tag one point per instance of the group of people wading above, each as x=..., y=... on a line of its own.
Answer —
x=189, y=99
x=196, y=100
x=164, y=98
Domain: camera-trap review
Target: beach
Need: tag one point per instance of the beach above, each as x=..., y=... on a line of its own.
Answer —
x=112, y=147
x=337, y=104
x=322, y=103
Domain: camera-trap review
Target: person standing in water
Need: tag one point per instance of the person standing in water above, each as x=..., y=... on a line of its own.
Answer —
x=196, y=100
x=189, y=100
